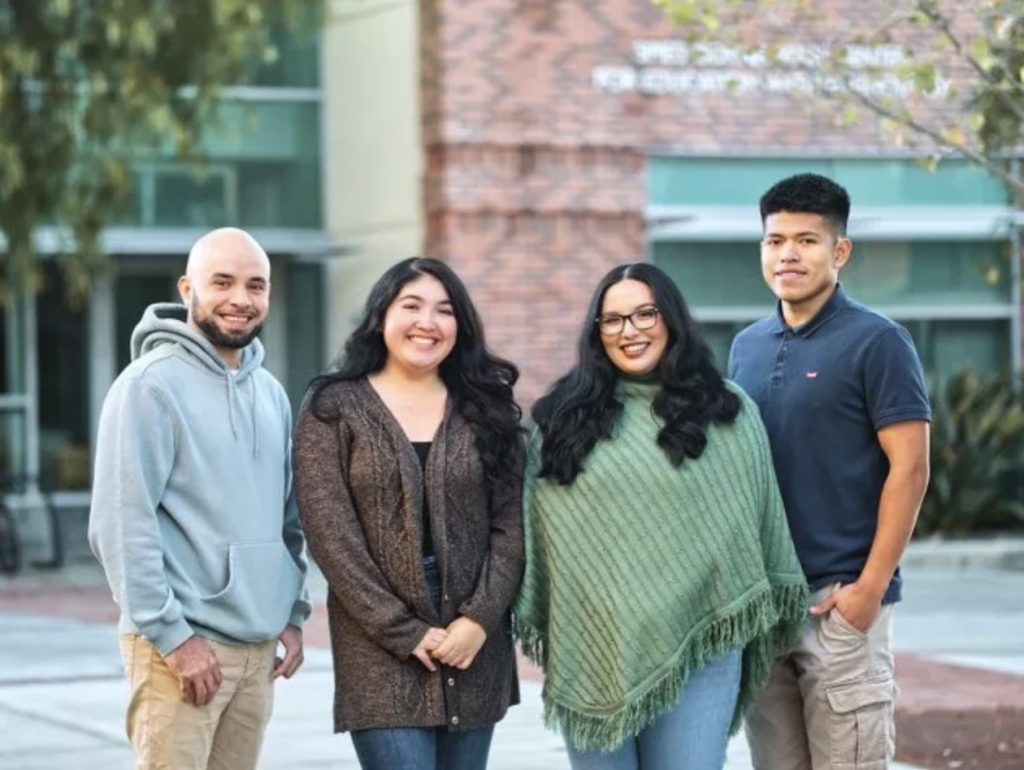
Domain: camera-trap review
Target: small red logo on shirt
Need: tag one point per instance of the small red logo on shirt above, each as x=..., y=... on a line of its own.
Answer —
x=811, y=375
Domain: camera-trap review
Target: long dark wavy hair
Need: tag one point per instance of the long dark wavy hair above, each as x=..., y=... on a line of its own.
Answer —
x=479, y=382
x=580, y=409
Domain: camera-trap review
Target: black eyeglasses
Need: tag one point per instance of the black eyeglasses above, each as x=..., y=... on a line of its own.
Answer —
x=642, y=318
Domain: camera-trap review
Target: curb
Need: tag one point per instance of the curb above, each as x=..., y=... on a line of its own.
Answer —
x=1003, y=552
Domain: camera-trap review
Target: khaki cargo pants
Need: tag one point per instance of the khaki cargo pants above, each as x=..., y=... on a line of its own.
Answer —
x=828, y=703
x=226, y=734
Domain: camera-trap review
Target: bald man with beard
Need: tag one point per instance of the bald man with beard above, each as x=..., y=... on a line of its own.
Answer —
x=193, y=517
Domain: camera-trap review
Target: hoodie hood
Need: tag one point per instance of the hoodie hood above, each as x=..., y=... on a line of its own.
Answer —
x=164, y=323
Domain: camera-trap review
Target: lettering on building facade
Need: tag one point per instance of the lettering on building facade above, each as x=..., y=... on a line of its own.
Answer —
x=665, y=67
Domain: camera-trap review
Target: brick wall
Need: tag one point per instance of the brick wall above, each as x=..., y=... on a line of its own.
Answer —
x=534, y=182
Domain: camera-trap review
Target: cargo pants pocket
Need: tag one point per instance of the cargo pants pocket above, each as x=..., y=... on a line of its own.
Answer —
x=861, y=724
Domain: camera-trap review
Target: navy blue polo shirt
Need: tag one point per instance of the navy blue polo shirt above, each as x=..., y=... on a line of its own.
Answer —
x=825, y=388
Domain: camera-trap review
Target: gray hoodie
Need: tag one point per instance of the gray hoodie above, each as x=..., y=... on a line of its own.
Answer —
x=192, y=513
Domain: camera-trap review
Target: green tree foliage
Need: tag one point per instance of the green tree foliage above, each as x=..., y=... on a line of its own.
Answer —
x=83, y=81
x=977, y=456
x=963, y=63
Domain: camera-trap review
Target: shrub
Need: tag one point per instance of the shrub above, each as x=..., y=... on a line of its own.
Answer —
x=977, y=456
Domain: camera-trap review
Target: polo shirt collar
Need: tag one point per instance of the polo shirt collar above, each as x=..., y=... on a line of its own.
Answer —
x=836, y=303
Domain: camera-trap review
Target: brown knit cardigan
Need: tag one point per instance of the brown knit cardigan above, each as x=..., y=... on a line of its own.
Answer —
x=360, y=487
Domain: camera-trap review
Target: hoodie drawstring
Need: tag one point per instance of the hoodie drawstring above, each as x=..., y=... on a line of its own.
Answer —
x=255, y=428
x=233, y=396
x=231, y=403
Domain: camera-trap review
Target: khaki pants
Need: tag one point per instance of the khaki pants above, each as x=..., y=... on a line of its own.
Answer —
x=226, y=734
x=828, y=704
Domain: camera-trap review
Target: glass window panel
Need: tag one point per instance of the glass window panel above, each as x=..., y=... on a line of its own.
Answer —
x=12, y=445
x=182, y=197
x=715, y=274
x=930, y=273
x=276, y=194
x=12, y=342
x=950, y=346
x=5, y=364
x=717, y=181
x=870, y=181
x=63, y=401
x=279, y=130
x=723, y=275
x=247, y=194
x=305, y=328
x=885, y=182
x=297, y=63
x=263, y=171
x=12, y=384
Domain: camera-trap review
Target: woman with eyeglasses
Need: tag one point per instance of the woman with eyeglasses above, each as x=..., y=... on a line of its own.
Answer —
x=660, y=576
x=408, y=474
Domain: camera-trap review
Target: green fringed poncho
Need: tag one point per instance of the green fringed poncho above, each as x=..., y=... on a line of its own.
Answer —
x=639, y=573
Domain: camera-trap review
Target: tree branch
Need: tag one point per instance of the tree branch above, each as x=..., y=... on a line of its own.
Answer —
x=996, y=169
x=946, y=29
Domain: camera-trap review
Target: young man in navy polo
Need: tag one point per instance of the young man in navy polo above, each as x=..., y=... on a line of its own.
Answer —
x=843, y=398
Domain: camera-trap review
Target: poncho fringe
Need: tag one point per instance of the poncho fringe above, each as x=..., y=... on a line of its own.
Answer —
x=768, y=620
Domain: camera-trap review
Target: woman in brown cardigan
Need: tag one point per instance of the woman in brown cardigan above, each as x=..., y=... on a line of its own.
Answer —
x=408, y=476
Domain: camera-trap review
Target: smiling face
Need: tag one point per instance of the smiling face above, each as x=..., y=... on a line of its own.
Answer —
x=633, y=351
x=227, y=290
x=800, y=259
x=419, y=326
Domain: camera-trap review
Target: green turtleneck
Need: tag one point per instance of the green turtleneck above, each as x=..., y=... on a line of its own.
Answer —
x=639, y=572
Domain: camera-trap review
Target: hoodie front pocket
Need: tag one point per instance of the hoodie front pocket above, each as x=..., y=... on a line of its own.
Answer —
x=256, y=603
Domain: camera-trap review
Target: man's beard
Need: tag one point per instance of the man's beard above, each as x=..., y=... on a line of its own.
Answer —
x=217, y=336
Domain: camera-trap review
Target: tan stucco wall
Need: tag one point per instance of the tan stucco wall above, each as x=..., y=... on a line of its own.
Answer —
x=373, y=158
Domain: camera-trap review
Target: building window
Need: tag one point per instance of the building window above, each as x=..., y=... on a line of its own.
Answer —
x=63, y=391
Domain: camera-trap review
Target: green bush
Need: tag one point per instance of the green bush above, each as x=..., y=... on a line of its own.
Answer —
x=977, y=456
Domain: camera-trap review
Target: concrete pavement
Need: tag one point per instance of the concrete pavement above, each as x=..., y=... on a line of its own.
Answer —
x=62, y=694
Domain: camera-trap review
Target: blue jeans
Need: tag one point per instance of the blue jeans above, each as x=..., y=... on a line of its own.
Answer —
x=433, y=577
x=422, y=748
x=692, y=736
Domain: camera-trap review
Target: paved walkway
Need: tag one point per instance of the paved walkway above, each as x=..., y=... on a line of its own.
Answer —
x=961, y=635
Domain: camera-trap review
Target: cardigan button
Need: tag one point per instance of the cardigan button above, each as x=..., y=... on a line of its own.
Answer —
x=451, y=681
x=455, y=720
x=446, y=597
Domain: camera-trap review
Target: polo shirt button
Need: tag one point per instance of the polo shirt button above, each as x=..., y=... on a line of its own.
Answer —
x=455, y=720
x=451, y=681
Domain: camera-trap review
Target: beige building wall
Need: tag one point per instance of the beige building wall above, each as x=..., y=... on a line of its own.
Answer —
x=373, y=157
